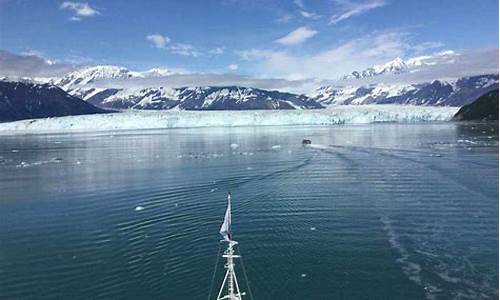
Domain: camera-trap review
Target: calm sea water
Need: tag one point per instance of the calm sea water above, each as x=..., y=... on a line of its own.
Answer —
x=382, y=211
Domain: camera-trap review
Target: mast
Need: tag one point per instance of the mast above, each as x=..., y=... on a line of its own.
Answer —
x=233, y=290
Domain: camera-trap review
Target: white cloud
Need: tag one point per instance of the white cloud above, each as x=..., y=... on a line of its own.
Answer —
x=217, y=50
x=331, y=63
x=309, y=15
x=377, y=48
x=183, y=49
x=299, y=3
x=164, y=42
x=254, y=54
x=284, y=19
x=158, y=40
x=81, y=9
x=232, y=67
x=349, y=9
x=297, y=36
x=31, y=64
x=422, y=47
x=303, y=12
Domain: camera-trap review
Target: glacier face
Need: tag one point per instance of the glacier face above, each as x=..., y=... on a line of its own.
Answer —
x=436, y=93
x=348, y=114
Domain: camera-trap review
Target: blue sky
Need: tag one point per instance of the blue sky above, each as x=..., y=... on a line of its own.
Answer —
x=262, y=38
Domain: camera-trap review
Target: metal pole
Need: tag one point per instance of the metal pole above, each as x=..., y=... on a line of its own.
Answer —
x=222, y=286
x=230, y=285
x=230, y=254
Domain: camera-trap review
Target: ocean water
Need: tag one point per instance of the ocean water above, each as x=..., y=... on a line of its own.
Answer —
x=379, y=211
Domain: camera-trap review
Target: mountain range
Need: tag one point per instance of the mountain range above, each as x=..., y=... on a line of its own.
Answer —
x=84, y=84
x=46, y=97
x=436, y=93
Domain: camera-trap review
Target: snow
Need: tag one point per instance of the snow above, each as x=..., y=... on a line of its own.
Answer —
x=330, y=95
x=86, y=75
x=398, y=65
x=348, y=114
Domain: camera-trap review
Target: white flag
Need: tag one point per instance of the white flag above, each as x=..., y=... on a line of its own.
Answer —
x=225, y=229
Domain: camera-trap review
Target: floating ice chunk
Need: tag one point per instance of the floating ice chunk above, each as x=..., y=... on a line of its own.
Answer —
x=313, y=228
x=213, y=190
x=316, y=146
x=23, y=164
x=14, y=151
x=303, y=275
x=139, y=208
x=234, y=146
x=276, y=147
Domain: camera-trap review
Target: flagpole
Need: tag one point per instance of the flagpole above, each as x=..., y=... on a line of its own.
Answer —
x=230, y=286
x=232, y=293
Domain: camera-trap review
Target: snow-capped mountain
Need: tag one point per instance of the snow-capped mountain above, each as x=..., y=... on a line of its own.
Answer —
x=93, y=85
x=157, y=72
x=83, y=77
x=398, y=65
x=198, y=98
x=82, y=84
x=92, y=74
x=393, y=67
x=438, y=93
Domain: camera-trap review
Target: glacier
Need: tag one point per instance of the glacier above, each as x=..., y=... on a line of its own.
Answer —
x=140, y=119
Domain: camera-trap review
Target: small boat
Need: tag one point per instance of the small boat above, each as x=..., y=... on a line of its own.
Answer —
x=229, y=288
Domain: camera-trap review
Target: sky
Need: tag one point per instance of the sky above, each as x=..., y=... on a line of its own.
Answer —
x=285, y=39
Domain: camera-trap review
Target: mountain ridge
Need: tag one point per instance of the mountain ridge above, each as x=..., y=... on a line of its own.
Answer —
x=26, y=100
x=436, y=93
x=198, y=98
x=484, y=108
